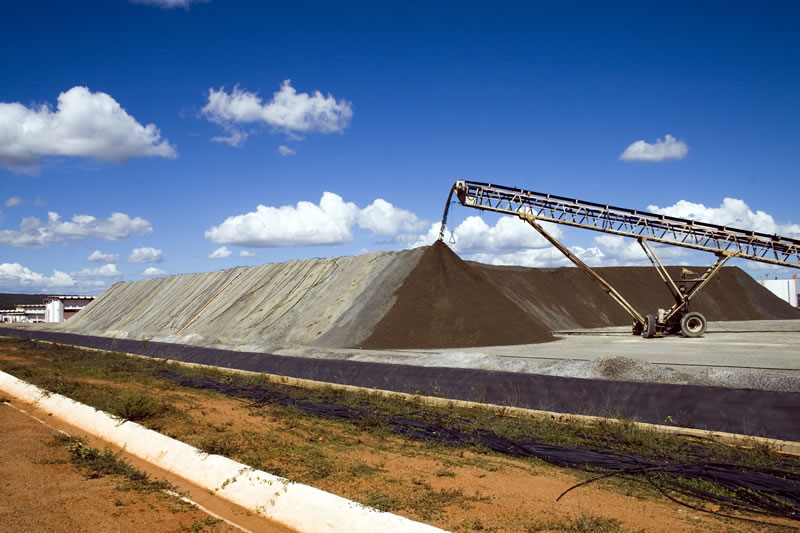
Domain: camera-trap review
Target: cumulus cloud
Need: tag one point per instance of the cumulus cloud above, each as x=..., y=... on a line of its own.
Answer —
x=288, y=111
x=733, y=213
x=246, y=253
x=84, y=124
x=15, y=277
x=220, y=253
x=330, y=222
x=475, y=236
x=308, y=224
x=621, y=251
x=511, y=241
x=99, y=257
x=13, y=201
x=153, y=272
x=668, y=149
x=541, y=257
x=169, y=4
x=146, y=255
x=382, y=218
x=105, y=271
x=285, y=150
x=34, y=233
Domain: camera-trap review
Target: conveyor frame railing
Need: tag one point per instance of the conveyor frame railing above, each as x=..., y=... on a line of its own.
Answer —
x=724, y=242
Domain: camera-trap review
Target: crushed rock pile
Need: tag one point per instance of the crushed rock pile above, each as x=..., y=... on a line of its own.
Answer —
x=422, y=298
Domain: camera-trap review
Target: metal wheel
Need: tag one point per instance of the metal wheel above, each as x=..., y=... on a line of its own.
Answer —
x=649, y=329
x=693, y=324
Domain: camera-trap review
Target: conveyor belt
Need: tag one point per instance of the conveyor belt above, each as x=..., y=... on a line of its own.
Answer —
x=605, y=218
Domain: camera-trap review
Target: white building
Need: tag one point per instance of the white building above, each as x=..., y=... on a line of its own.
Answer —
x=12, y=315
x=60, y=308
x=53, y=309
x=785, y=289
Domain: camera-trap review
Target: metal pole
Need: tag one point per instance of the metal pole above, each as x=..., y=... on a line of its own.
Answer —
x=662, y=271
x=606, y=286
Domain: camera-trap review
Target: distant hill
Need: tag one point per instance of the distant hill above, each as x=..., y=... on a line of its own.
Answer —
x=11, y=300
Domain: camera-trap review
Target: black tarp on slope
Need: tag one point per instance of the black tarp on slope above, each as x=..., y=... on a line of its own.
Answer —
x=745, y=411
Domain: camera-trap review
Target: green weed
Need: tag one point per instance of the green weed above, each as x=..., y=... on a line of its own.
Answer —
x=583, y=523
x=136, y=405
x=95, y=464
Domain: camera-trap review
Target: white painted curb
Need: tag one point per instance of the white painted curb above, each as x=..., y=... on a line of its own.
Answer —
x=294, y=505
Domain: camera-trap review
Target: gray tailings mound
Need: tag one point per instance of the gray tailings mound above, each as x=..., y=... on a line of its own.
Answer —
x=422, y=298
x=330, y=302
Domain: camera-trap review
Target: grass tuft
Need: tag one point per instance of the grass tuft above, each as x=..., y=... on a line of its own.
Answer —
x=138, y=405
x=95, y=464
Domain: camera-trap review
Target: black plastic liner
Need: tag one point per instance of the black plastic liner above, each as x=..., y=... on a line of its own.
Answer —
x=765, y=491
x=745, y=411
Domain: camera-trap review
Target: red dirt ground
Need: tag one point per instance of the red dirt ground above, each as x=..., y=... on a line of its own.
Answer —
x=41, y=491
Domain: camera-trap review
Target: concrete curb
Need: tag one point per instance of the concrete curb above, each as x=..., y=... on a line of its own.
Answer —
x=294, y=505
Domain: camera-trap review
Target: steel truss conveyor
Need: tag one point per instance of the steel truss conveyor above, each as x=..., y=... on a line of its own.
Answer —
x=646, y=228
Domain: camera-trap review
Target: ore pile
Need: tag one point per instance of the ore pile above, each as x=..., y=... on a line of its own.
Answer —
x=446, y=303
x=422, y=298
x=565, y=298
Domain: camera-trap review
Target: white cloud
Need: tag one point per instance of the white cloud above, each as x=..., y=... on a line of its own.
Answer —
x=733, y=213
x=669, y=148
x=246, y=253
x=621, y=251
x=105, y=271
x=153, y=271
x=474, y=236
x=33, y=233
x=14, y=277
x=511, y=241
x=169, y=4
x=39, y=202
x=220, y=253
x=84, y=124
x=13, y=201
x=308, y=224
x=382, y=218
x=285, y=150
x=99, y=257
x=288, y=111
x=146, y=255
x=620, y=248
x=541, y=257
x=330, y=222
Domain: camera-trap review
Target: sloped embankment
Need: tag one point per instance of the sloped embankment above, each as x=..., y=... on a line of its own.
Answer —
x=447, y=303
x=565, y=298
x=422, y=298
x=260, y=308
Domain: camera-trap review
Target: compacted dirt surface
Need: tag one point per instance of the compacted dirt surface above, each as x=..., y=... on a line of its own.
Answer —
x=457, y=489
x=42, y=491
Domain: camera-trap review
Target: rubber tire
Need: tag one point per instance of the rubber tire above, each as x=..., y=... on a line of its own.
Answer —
x=693, y=324
x=649, y=329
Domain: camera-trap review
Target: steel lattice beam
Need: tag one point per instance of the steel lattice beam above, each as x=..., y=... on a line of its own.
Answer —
x=652, y=227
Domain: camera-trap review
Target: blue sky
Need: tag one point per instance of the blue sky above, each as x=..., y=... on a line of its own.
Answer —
x=144, y=136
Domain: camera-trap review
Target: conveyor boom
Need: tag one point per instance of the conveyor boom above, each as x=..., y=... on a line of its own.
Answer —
x=663, y=229
x=724, y=242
